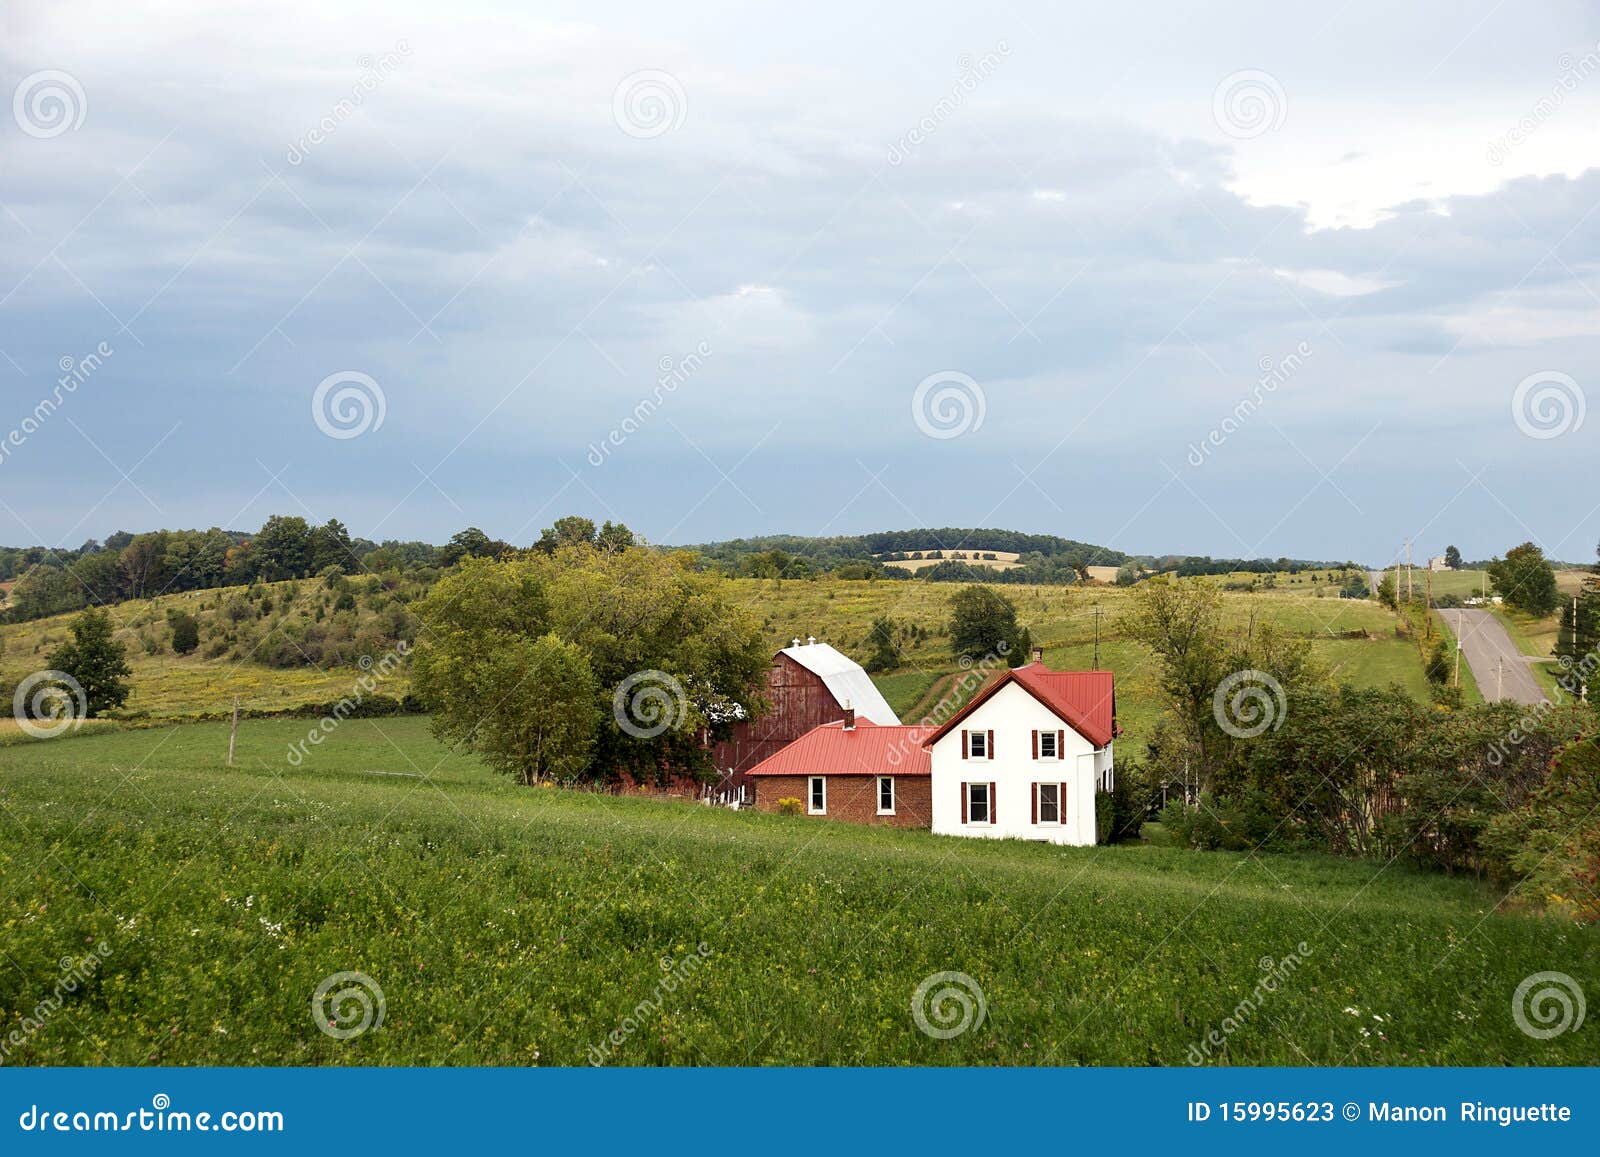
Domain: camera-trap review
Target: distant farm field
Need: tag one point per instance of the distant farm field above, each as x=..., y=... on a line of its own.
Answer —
x=1355, y=638
x=508, y=925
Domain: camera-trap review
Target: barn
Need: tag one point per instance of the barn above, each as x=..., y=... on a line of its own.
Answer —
x=808, y=685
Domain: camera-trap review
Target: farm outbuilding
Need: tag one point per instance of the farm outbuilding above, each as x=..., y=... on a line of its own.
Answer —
x=809, y=684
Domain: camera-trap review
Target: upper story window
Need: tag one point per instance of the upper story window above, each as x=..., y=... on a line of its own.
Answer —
x=817, y=801
x=978, y=744
x=886, y=795
x=1049, y=745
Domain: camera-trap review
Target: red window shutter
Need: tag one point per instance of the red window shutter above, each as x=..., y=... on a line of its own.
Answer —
x=1061, y=745
x=963, y=798
x=1061, y=803
x=1036, y=743
x=992, y=801
x=963, y=746
x=990, y=745
x=1035, y=790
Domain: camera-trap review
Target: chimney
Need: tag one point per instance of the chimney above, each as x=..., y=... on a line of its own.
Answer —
x=849, y=717
x=1038, y=655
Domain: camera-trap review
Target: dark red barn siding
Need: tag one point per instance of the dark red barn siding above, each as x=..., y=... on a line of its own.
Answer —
x=800, y=701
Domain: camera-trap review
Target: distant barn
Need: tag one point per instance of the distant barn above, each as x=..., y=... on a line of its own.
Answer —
x=809, y=684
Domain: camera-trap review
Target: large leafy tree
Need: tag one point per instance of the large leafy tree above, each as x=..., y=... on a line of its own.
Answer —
x=1452, y=558
x=1525, y=580
x=982, y=622
x=587, y=662
x=96, y=661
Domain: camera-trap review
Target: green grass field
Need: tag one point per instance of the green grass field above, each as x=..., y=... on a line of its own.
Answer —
x=511, y=925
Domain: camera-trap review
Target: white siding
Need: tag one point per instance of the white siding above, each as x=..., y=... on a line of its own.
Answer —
x=1013, y=715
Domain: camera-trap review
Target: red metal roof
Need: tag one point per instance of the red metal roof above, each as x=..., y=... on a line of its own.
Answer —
x=1085, y=700
x=867, y=749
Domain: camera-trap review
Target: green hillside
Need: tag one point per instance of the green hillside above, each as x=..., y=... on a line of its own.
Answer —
x=314, y=658
x=509, y=925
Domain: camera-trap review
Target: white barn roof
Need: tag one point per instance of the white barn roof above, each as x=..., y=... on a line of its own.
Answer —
x=845, y=679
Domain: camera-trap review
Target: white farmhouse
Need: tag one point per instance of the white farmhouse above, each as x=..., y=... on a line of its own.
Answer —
x=1025, y=757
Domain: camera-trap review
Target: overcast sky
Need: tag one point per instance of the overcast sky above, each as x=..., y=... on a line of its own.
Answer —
x=1263, y=283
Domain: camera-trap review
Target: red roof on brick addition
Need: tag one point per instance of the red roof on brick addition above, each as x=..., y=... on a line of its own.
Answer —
x=866, y=749
x=1086, y=700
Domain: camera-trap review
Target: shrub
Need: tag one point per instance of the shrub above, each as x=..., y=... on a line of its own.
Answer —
x=789, y=806
x=1552, y=843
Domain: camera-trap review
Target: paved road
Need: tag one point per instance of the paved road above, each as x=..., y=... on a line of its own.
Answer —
x=1488, y=650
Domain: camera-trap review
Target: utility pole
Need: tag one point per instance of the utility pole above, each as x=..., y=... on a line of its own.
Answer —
x=233, y=734
x=1500, y=678
x=1428, y=610
x=1411, y=589
x=1458, y=648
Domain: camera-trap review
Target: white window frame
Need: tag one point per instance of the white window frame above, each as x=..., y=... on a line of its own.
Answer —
x=886, y=780
x=988, y=804
x=812, y=784
x=1038, y=804
x=973, y=736
x=1053, y=737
